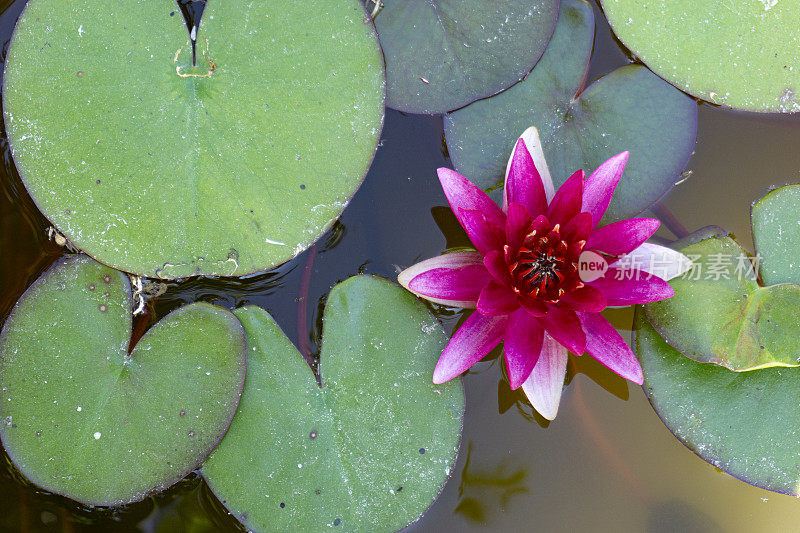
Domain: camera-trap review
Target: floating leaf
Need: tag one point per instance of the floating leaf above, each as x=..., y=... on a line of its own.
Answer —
x=720, y=315
x=628, y=109
x=776, y=232
x=444, y=54
x=157, y=167
x=83, y=417
x=371, y=449
x=739, y=53
x=741, y=422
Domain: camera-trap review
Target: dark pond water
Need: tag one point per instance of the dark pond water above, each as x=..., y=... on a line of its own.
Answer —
x=605, y=464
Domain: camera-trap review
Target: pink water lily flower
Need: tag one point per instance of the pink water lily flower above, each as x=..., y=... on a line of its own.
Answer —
x=524, y=277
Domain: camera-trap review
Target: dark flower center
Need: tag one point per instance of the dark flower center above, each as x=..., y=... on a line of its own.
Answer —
x=545, y=266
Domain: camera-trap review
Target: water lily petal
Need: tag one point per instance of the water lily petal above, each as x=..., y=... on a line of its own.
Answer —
x=605, y=344
x=622, y=237
x=546, y=382
x=497, y=299
x=567, y=201
x=518, y=221
x=564, y=326
x=630, y=286
x=600, y=185
x=470, y=343
x=577, y=229
x=463, y=194
x=533, y=306
x=660, y=261
x=587, y=298
x=521, y=347
x=483, y=234
x=495, y=263
x=454, y=279
x=534, y=145
x=523, y=184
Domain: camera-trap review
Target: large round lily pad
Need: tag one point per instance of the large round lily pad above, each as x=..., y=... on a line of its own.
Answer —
x=628, y=109
x=739, y=53
x=368, y=451
x=156, y=167
x=745, y=423
x=83, y=417
x=444, y=54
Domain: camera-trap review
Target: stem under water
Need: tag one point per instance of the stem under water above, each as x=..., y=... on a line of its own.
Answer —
x=302, y=312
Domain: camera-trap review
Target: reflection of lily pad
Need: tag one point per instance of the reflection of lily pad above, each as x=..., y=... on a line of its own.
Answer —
x=741, y=422
x=371, y=449
x=158, y=168
x=82, y=417
x=740, y=53
x=628, y=109
x=444, y=54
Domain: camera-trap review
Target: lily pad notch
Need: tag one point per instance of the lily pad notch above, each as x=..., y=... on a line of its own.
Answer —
x=166, y=170
x=369, y=450
x=83, y=417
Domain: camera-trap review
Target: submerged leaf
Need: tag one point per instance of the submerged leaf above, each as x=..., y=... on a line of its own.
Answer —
x=628, y=109
x=444, y=54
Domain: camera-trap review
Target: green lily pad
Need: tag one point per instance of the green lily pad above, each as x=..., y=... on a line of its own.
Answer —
x=444, y=54
x=83, y=417
x=371, y=449
x=159, y=168
x=719, y=314
x=738, y=53
x=628, y=109
x=776, y=232
x=741, y=422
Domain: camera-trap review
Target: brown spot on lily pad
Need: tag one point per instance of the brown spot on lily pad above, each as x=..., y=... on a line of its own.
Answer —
x=103, y=308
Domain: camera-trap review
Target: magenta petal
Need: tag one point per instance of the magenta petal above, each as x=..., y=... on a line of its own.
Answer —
x=524, y=183
x=495, y=263
x=463, y=194
x=567, y=201
x=521, y=347
x=451, y=279
x=577, y=229
x=600, y=185
x=622, y=237
x=546, y=382
x=605, y=344
x=563, y=325
x=533, y=306
x=474, y=339
x=628, y=287
x=518, y=221
x=497, y=299
x=483, y=234
x=587, y=298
